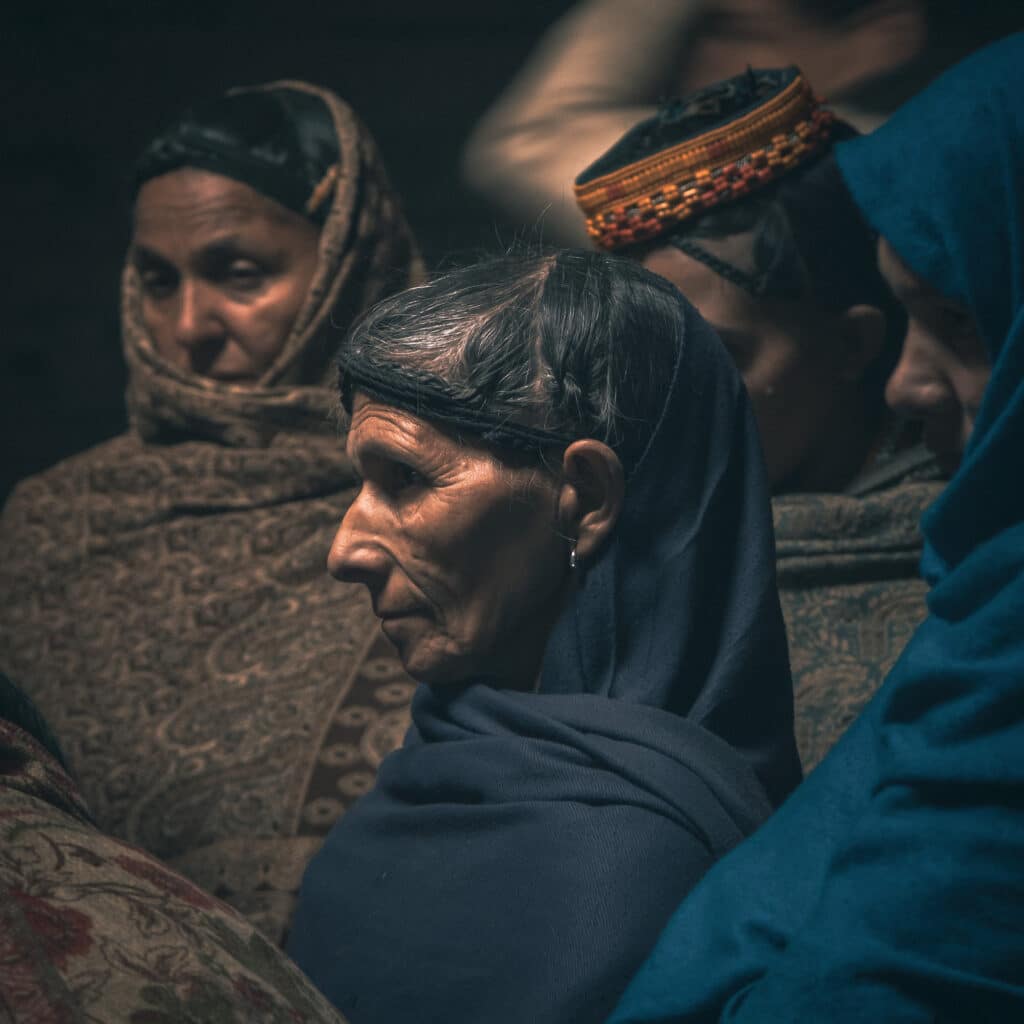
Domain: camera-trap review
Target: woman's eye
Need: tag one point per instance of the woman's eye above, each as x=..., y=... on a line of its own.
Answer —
x=741, y=356
x=390, y=477
x=406, y=477
x=946, y=320
x=957, y=319
x=739, y=344
x=157, y=284
x=246, y=276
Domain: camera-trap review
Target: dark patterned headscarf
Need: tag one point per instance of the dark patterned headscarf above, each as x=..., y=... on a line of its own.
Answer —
x=519, y=851
x=282, y=142
x=366, y=251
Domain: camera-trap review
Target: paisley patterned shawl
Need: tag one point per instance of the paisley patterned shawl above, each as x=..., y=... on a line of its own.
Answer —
x=165, y=600
x=94, y=929
x=851, y=596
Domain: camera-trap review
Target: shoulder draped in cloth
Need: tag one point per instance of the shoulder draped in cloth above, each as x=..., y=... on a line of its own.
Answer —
x=889, y=887
x=851, y=595
x=92, y=928
x=166, y=601
x=521, y=850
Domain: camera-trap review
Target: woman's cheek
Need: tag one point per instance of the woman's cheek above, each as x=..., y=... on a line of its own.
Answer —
x=262, y=327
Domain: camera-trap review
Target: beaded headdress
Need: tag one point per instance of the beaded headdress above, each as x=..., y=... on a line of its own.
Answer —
x=713, y=147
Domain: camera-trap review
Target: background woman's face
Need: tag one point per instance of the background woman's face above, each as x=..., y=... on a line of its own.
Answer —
x=791, y=373
x=224, y=272
x=944, y=365
x=460, y=552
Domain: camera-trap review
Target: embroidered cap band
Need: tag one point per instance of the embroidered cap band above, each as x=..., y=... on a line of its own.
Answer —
x=718, y=145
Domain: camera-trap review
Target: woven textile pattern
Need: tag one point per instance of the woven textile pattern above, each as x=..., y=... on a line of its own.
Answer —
x=851, y=596
x=167, y=605
x=644, y=199
x=93, y=929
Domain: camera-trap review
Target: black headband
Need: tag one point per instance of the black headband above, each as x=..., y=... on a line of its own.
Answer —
x=280, y=142
x=279, y=184
x=430, y=398
x=753, y=284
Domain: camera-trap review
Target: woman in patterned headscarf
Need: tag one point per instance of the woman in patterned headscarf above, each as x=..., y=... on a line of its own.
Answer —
x=165, y=599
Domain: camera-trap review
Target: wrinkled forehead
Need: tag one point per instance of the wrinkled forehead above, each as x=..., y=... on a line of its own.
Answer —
x=191, y=201
x=369, y=417
x=377, y=428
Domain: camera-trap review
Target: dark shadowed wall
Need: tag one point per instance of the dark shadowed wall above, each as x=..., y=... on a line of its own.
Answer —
x=85, y=86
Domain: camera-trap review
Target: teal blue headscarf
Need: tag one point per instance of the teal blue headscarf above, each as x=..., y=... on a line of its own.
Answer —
x=890, y=887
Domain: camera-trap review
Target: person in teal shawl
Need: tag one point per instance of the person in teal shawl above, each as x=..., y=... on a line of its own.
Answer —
x=889, y=887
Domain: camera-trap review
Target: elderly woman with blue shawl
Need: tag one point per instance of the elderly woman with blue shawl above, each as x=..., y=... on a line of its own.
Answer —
x=890, y=887
x=564, y=527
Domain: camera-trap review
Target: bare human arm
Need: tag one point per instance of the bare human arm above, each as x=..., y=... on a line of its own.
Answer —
x=598, y=71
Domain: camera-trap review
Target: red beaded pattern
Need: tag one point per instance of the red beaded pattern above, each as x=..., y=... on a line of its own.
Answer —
x=639, y=202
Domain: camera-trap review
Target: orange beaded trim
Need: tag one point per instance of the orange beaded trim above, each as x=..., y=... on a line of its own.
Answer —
x=638, y=202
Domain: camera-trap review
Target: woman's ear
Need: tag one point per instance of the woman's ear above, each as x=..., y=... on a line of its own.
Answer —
x=591, y=495
x=862, y=335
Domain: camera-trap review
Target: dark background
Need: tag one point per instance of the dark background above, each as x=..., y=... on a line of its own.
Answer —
x=84, y=87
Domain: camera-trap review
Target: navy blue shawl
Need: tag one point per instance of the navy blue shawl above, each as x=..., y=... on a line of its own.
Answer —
x=521, y=851
x=890, y=887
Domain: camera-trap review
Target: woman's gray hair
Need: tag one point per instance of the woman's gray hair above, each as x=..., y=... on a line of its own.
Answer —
x=577, y=343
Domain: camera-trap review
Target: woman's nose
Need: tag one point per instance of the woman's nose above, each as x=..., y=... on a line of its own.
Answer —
x=918, y=387
x=196, y=323
x=356, y=554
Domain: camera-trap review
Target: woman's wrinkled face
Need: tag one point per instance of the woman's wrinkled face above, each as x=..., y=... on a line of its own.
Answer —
x=944, y=366
x=224, y=272
x=790, y=375
x=459, y=551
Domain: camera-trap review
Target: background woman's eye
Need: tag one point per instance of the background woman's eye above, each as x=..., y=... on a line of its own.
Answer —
x=741, y=356
x=738, y=345
x=158, y=284
x=245, y=275
x=957, y=319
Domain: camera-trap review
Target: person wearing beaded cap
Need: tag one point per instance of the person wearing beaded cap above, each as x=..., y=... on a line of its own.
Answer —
x=606, y=64
x=733, y=195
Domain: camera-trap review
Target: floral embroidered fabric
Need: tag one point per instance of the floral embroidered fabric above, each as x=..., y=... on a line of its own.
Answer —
x=92, y=929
